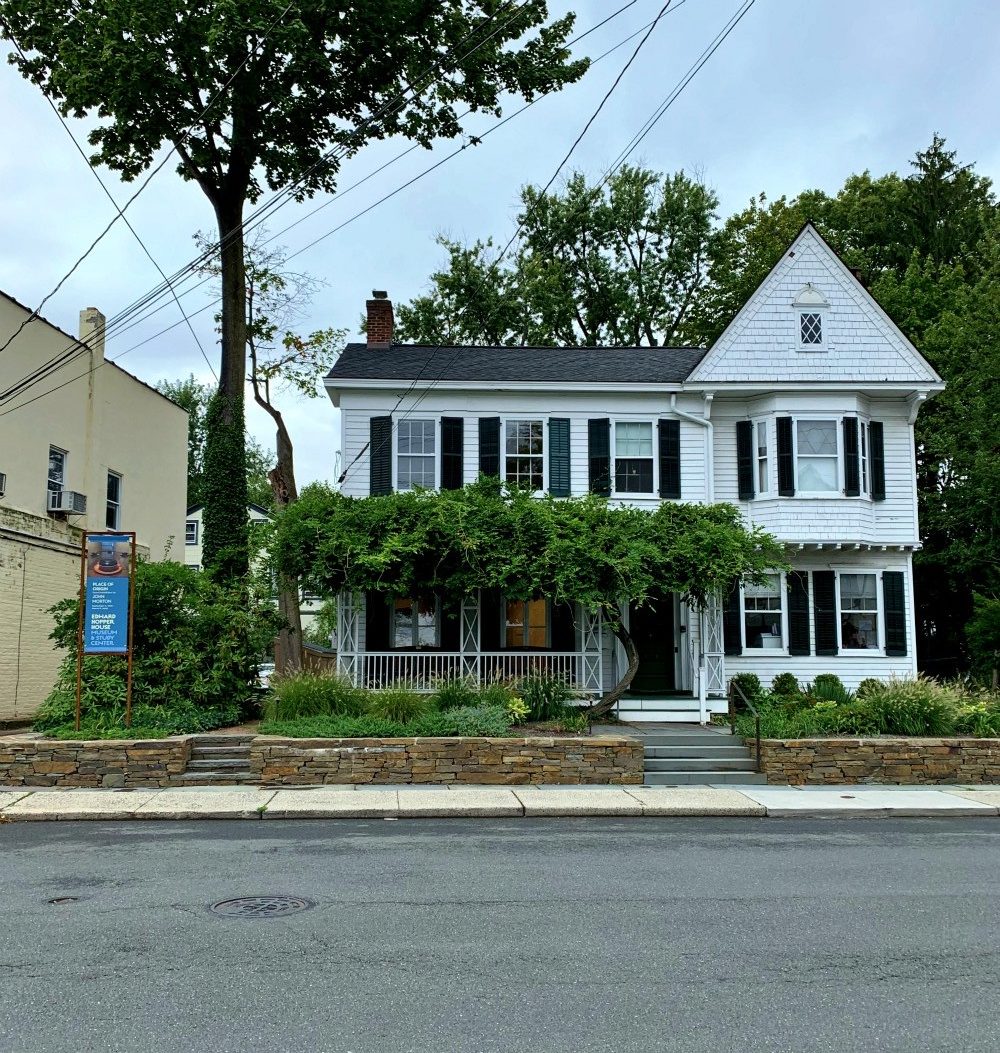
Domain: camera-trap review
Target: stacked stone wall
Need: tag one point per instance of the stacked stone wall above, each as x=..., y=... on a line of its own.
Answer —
x=108, y=763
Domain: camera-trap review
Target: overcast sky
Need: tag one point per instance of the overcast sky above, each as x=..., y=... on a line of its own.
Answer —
x=801, y=95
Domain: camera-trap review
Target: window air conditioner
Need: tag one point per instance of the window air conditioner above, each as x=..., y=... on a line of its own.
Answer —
x=69, y=502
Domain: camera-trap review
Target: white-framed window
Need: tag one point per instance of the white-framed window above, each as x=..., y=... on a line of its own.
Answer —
x=859, y=611
x=524, y=453
x=414, y=623
x=416, y=460
x=763, y=475
x=191, y=532
x=811, y=329
x=863, y=456
x=113, y=512
x=764, y=615
x=634, y=462
x=195, y=566
x=527, y=623
x=817, y=456
x=57, y=470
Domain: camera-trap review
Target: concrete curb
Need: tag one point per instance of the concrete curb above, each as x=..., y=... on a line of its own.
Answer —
x=416, y=802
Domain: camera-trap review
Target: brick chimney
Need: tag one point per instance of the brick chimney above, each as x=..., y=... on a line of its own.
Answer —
x=92, y=324
x=380, y=320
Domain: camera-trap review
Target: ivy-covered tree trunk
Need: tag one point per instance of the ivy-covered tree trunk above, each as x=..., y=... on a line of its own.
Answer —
x=225, y=490
x=614, y=696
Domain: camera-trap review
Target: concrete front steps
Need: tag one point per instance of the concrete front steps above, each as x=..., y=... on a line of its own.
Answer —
x=218, y=760
x=689, y=757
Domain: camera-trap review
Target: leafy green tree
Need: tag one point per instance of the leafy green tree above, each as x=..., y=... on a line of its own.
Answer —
x=268, y=93
x=613, y=265
x=492, y=536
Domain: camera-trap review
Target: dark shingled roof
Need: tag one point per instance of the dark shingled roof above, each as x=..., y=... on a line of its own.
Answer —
x=585, y=365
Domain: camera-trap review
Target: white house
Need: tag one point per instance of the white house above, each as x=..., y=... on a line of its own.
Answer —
x=801, y=414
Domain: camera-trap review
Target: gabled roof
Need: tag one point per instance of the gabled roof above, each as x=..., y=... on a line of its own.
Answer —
x=586, y=365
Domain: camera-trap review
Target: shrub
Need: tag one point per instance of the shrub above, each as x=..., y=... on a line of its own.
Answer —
x=750, y=685
x=545, y=696
x=868, y=687
x=914, y=707
x=492, y=721
x=517, y=708
x=828, y=688
x=397, y=704
x=308, y=694
x=333, y=727
x=456, y=691
x=785, y=684
x=830, y=681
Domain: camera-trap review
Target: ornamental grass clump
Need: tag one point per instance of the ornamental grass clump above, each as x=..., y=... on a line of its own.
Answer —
x=914, y=707
x=308, y=694
x=397, y=704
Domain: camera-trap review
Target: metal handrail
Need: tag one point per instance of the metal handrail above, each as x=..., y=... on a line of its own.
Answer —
x=734, y=690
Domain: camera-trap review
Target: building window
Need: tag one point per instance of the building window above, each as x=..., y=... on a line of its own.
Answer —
x=113, y=513
x=634, y=457
x=191, y=532
x=195, y=566
x=858, y=612
x=762, y=614
x=415, y=460
x=523, y=448
x=816, y=456
x=762, y=473
x=414, y=623
x=527, y=623
x=863, y=447
x=57, y=471
x=811, y=329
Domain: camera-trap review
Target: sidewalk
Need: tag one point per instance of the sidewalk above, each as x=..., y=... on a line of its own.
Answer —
x=412, y=802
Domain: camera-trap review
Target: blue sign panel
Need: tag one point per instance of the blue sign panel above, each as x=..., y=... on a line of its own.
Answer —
x=106, y=606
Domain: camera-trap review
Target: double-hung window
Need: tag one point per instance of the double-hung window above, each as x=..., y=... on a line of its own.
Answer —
x=527, y=623
x=57, y=472
x=863, y=458
x=634, y=457
x=414, y=623
x=816, y=456
x=191, y=532
x=415, y=454
x=761, y=456
x=858, y=611
x=763, y=622
x=523, y=453
x=113, y=512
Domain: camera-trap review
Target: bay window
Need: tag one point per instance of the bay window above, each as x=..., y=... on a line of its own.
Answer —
x=816, y=456
x=761, y=456
x=858, y=611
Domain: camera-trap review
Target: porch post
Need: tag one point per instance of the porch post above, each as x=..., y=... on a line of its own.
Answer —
x=349, y=637
x=469, y=637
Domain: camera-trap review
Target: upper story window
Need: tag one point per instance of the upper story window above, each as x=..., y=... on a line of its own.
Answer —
x=763, y=615
x=113, y=510
x=634, y=457
x=57, y=470
x=414, y=623
x=415, y=454
x=527, y=623
x=858, y=611
x=863, y=456
x=816, y=456
x=762, y=470
x=811, y=328
x=811, y=305
x=523, y=453
x=191, y=532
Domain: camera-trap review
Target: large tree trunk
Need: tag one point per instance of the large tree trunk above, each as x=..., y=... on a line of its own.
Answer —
x=608, y=701
x=225, y=516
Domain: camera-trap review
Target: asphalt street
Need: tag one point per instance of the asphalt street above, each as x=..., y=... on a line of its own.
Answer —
x=502, y=936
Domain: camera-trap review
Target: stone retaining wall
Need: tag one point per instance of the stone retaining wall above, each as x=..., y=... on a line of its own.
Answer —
x=816, y=762
x=588, y=759
x=111, y=763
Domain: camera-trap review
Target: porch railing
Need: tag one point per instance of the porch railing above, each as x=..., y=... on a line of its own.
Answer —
x=423, y=670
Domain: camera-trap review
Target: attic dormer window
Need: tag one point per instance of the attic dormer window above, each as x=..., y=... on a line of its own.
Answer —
x=811, y=305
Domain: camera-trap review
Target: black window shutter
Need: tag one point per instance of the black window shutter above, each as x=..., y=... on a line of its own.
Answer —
x=489, y=445
x=876, y=454
x=599, y=455
x=452, y=453
x=744, y=459
x=798, y=612
x=825, y=611
x=731, y=635
x=852, y=462
x=786, y=467
x=380, y=455
x=894, y=601
x=559, y=482
x=670, y=457
x=376, y=621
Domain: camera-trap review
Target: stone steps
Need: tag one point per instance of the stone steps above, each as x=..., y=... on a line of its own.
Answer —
x=703, y=778
x=697, y=756
x=219, y=760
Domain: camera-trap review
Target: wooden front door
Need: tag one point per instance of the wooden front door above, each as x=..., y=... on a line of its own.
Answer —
x=652, y=629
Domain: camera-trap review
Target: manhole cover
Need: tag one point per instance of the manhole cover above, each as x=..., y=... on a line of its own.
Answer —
x=260, y=906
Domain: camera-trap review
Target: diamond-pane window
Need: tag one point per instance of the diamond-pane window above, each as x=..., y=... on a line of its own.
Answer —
x=811, y=328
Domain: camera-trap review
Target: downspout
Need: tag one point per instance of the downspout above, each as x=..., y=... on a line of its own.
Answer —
x=705, y=421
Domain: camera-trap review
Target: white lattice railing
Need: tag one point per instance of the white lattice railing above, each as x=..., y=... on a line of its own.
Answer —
x=423, y=670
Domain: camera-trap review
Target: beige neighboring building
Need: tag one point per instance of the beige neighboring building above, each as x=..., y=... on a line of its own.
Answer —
x=89, y=447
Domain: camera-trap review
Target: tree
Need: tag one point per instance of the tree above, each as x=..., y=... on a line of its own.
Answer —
x=194, y=397
x=617, y=265
x=493, y=536
x=268, y=93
